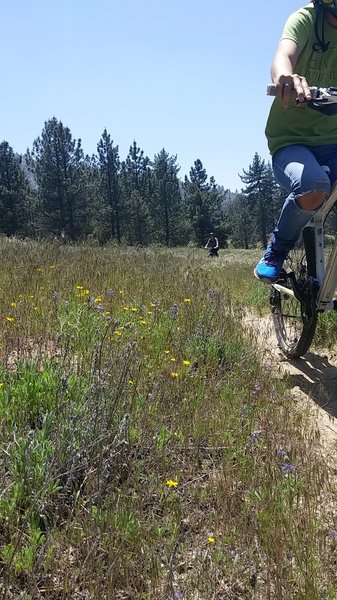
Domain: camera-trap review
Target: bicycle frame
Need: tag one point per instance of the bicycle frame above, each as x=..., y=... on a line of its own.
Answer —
x=326, y=277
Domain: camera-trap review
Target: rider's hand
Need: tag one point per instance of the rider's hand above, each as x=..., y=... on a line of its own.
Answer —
x=287, y=84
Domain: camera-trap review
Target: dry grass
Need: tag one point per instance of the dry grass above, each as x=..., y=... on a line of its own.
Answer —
x=147, y=451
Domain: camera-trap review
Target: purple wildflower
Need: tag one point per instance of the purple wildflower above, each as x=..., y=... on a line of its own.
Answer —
x=64, y=382
x=333, y=534
x=280, y=453
x=287, y=468
x=55, y=295
x=150, y=398
x=111, y=293
x=91, y=302
x=232, y=553
x=174, y=311
x=255, y=435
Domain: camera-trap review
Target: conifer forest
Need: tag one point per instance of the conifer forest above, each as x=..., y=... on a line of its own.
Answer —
x=56, y=191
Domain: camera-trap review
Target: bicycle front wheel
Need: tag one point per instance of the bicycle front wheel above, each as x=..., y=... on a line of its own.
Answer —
x=293, y=298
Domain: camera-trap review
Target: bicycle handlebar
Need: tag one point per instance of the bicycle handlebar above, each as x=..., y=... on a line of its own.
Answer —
x=326, y=95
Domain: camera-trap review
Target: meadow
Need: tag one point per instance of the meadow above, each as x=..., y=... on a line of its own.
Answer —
x=148, y=449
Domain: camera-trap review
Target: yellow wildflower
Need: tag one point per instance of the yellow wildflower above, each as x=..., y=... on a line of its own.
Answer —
x=187, y=300
x=166, y=352
x=211, y=540
x=172, y=483
x=172, y=359
x=13, y=304
x=98, y=299
x=83, y=292
x=186, y=362
x=134, y=309
x=10, y=319
x=174, y=374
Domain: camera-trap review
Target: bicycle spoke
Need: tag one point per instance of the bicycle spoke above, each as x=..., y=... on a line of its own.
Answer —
x=295, y=320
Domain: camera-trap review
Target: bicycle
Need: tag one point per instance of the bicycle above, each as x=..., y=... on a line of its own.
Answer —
x=213, y=252
x=213, y=248
x=306, y=286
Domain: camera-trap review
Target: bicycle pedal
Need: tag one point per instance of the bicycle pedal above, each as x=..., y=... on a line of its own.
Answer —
x=283, y=276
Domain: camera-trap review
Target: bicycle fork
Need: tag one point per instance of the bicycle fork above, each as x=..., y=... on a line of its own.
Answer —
x=326, y=277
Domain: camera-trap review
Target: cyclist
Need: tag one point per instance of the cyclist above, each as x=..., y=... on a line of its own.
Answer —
x=212, y=244
x=301, y=140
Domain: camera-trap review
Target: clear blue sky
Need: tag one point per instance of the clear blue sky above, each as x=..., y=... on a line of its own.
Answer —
x=186, y=75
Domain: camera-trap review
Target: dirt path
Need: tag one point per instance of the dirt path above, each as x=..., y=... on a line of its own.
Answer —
x=313, y=378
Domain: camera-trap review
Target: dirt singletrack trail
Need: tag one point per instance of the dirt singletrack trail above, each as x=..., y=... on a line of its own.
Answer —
x=313, y=381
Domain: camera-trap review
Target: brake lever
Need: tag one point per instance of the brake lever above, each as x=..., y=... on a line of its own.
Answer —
x=321, y=96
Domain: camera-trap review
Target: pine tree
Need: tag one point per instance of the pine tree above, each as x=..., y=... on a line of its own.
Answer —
x=239, y=221
x=140, y=221
x=274, y=197
x=16, y=197
x=255, y=193
x=109, y=165
x=137, y=188
x=253, y=214
x=56, y=161
x=203, y=202
x=95, y=219
x=167, y=207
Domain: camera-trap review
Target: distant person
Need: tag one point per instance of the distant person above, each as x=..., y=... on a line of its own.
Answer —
x=212, y=245
x=302, y=138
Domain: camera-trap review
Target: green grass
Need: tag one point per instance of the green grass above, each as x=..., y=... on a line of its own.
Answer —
x=146, y=451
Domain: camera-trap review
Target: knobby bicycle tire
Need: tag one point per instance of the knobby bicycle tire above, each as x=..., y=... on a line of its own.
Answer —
x=295, y=319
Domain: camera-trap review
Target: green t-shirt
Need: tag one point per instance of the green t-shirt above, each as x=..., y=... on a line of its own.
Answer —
x=301, y=124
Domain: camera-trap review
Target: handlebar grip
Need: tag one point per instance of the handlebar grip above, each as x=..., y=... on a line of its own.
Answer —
x=271, y=89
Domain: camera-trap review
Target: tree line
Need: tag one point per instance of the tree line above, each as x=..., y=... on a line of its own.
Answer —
x=55, y=190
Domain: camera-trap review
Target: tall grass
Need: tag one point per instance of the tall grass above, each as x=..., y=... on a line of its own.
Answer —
x=147, y=449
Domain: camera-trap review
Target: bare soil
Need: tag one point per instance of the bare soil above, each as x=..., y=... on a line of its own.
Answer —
x=313, y=381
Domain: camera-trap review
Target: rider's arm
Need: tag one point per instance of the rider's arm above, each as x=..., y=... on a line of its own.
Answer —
x=282, y=72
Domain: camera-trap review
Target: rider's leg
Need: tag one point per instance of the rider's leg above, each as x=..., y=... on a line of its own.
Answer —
x=328, y=156
x=297, y=169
